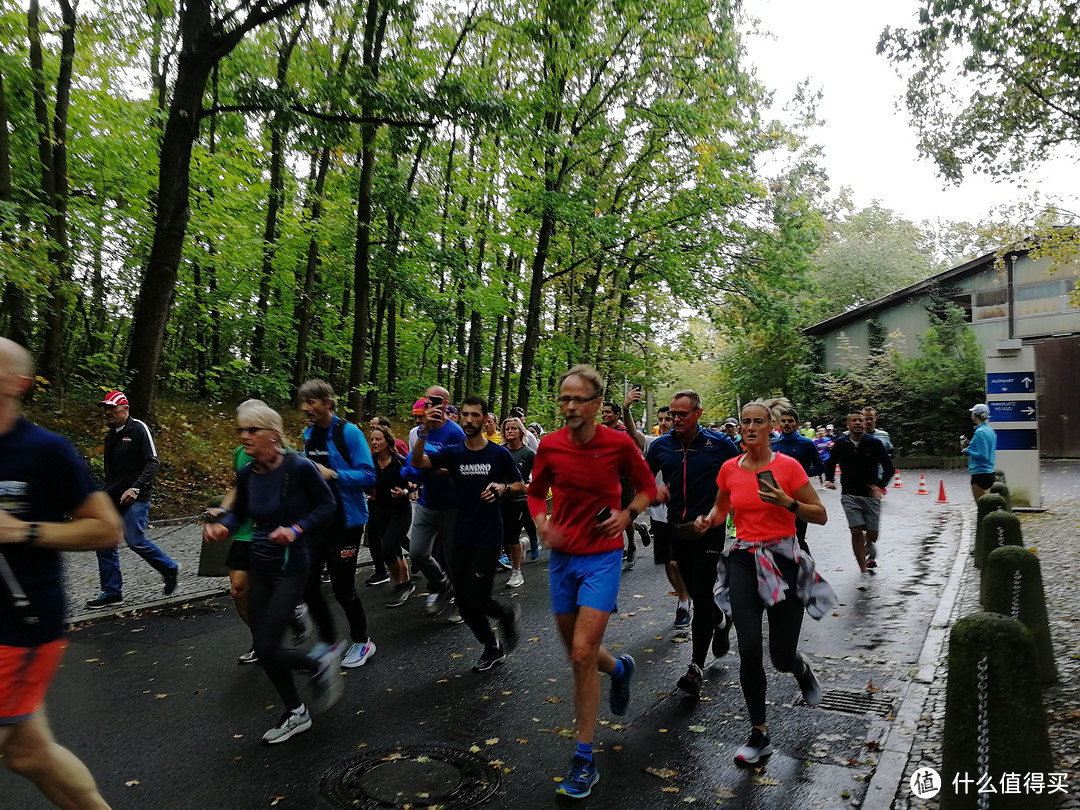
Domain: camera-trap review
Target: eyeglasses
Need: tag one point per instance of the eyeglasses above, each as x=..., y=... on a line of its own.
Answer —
x=679, y=414
x=240, y=431
x=576, y=400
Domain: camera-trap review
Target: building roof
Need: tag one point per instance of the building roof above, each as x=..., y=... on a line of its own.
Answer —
x=895, y=299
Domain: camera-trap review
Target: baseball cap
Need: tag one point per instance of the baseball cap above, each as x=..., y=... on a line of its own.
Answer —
x=829, y=427
x=731, y=420
x=114, y=398
x=419, y=407
x=518, y=412
x=451, y=409
x=980, y=410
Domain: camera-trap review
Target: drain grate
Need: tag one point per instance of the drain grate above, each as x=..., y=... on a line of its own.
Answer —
x=190, y=609
x=420, y=776
x=841, y=700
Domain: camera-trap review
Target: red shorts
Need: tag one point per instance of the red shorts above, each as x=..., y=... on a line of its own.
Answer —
x=25, y=675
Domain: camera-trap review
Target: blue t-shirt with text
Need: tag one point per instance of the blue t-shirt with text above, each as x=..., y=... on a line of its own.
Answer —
x=478, y=523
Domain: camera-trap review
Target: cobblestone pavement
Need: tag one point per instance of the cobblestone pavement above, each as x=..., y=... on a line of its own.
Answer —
x=1054, y=536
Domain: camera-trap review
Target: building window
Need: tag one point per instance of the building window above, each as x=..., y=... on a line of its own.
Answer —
x=1044, y=298
x=963, y=303
x=989, y=305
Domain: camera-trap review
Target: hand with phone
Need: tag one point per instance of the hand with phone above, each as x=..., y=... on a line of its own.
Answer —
x=768, y=490
x=435, y=412
x=612, y=524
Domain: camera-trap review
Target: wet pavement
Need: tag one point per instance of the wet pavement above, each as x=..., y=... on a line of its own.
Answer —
x=156, y=705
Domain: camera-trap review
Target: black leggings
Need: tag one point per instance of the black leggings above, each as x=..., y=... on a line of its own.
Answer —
x=515, y=517
x=388, y=533
x=697, y=560
x=341, y=563
x=474, y=574
x=785, y=623
x=272, y=601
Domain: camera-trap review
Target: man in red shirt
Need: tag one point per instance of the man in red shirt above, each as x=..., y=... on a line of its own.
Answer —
x=581, y=464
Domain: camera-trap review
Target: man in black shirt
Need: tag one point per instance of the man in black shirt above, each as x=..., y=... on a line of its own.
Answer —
x=131, y=462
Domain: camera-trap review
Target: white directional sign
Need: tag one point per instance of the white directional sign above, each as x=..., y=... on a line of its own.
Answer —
x=1010, y=395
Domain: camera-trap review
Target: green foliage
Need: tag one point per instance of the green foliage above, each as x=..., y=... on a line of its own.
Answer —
x=923, y=401
x=995, y=85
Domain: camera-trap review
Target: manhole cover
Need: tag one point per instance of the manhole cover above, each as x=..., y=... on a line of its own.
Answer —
x=419, y=777
x=840, y=700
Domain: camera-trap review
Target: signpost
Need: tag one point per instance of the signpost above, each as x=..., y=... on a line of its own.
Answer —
x=1010, y=395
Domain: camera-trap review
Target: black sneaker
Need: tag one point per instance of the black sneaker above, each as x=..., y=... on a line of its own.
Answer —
x=682, y=618
x=105, y=600
x=619, y=699
x=721, y=640
x=172, y=579
x=511, y=628
x=490, y=658
x=756, y=748
x=691, y=681
x=810, y=686
x=643, y=530
x=377, y=579
x=402, y=593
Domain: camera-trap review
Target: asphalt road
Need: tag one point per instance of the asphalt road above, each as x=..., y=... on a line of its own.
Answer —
x=157, y=707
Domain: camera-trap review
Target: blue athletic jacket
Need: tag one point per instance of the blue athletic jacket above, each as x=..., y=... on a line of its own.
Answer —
x=802, y=450
x=353, y=478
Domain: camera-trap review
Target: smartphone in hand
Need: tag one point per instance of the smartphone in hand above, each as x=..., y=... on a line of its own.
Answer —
x=603, y=515
x=767, y=476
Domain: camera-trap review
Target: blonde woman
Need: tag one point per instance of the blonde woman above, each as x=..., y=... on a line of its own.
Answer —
x=767, y=571
x=286, y=498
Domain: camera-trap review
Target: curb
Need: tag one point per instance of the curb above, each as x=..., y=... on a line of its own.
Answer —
x=898, y=737
x=86, y=617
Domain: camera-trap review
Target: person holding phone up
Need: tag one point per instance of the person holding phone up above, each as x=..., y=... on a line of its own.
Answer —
x=767, y=571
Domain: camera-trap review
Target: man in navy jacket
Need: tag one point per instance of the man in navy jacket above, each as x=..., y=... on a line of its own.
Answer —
x=341, y=453
x=791, y=443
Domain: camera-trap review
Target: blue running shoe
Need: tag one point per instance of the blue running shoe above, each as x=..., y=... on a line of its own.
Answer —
x=579, y=779
x=620, y=687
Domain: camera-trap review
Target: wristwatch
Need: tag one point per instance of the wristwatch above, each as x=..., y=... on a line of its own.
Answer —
x=33, y=532
x=793, y=507
x=633, y=513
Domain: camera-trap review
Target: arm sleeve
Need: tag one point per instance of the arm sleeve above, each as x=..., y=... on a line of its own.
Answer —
x=150, y=457
x=642, y=478
x=887, y=468
x=811, y=459
x=830, y=464
x=361, y=474
x=541, y=483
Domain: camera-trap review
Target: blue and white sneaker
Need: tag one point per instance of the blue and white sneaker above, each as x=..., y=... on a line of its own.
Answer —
x=620, y=687
x=358, y=654
x=580, y=779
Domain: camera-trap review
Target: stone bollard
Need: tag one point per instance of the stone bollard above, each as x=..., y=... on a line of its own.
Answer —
x=1012, y=585
x=998, y=529
x=998, y=488
x=995, y=723
x=986, y=504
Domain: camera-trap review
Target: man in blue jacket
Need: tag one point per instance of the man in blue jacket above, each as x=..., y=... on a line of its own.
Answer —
x=981, y=451
x=791, y=443
x=341, y=454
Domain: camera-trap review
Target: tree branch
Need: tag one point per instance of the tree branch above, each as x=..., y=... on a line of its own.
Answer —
x=301, y=109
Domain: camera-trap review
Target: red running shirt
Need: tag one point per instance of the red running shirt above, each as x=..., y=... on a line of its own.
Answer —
x=584, y=478
x=756, y=520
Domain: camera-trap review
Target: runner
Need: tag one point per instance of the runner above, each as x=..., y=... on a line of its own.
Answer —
x=581, y=464
x=44, y=482
x=483, y=474
x=767, y=570
x=286, y=498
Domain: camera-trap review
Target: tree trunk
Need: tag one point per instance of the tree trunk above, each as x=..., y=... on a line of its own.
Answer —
x=371, y=400
x=203, y=46
x=391, y=352
x=272, y=231
x=532, y=314
x=13, y=309
x=311, y=272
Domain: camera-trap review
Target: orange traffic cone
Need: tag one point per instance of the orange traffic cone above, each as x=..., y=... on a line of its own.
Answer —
x=896, y=483
x=922, y=485
x=941, y=494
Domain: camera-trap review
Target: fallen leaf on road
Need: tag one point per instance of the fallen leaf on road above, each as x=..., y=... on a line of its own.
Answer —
x=873, y=745
x=663, y=731
x=724, y=792
x=871, y=688
x=639, y=596
x=765, y=780
x=669, y=790
x=92, y=660
x=456, y=655
x=663, y=773
x=491, y=741
x=237, y=736
x=475, y=749
x=131, y=783
x=422, y=759
x=161, y=696
x=131, y=652
x=522, y=741
x=553, y=700
x=275, y=799
x=616, y=748
x=617, y=726
x=696, y=729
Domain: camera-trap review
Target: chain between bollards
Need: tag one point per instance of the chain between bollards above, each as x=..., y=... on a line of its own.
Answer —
x=1017, y=579
x=984, y=730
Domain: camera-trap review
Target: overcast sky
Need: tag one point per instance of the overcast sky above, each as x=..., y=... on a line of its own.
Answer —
x=869, y=145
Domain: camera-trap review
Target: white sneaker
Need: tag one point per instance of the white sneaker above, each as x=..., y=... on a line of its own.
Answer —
x=288, y=726
x=516, y=579
x=248, y=658
x=326, y=683
x=358, y=654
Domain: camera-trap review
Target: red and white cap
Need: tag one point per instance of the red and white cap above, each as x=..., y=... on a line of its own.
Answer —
x=114, y=398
